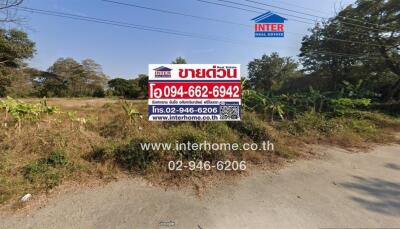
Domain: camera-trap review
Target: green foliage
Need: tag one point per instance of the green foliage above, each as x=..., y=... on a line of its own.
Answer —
x=15, y=47
x=45, y=108
x=311, y=123
x=48, y=172
x=100, y=154
x=270, y=72
x=371, y=59
x=342, y=106
x=129, y=110
x=57, y=158
x=72, y=115
x=119, y=86
x=26, y=111
x=99, y=92
x=361, y=126
x=271, y=105
x=129, y=88
x=252, y=127
x=67, y=77
x=133, y=157
x=186, y=133
x=179, y=60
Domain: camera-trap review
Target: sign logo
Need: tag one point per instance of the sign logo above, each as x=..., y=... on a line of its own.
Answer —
x=162, y=72
x=269, y=25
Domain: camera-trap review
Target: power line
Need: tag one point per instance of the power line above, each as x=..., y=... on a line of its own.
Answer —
x=173, y=12
x=255, y=7
x=313, y=15
x=123, y=24
x=206, y=18
x=299, y=6
x=263, y=11
x=253, y=11
x=128, y=25
x=328, y=38
x=367, y=57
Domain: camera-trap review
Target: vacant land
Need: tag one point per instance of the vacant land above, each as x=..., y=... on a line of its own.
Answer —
x=45, y=143
x=343, y=189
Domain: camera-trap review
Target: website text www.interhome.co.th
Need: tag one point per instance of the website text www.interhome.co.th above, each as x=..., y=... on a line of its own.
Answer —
x=207, y=146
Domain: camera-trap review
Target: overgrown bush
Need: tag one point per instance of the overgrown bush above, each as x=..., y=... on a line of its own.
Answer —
x=343, y=106
x=101, y=153
x=48, y=172
x=252, y=127
x=133, y=157
x=311, y=123
x=361, y=126
x=185, y=133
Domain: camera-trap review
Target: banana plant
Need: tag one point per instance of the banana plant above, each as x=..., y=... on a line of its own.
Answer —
x=275, y=107
x=130, y=111
x=24, y=111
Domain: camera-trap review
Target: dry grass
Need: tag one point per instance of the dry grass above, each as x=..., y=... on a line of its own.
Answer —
x=98, y=128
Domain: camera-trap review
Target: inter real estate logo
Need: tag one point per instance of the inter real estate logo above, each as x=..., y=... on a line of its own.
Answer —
x=162, y=72
x=269, y=25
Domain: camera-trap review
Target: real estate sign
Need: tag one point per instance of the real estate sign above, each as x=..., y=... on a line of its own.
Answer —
x=194, y=92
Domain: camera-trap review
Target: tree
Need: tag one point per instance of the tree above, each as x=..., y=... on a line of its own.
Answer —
x=179, y=60
x=270, y=72
x=71, y=78
x=133, y=89
x=367, y=34
x=143, y=83
x=15, y=48
x=96, y=79
x=119, y=86
x=316, y=54
x=70, y=73
x=51, y=85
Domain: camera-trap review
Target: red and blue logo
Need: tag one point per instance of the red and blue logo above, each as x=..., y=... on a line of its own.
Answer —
x=269, y=25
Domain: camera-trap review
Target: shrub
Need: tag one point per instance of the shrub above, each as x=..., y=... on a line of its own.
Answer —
x=48, y=172
x=380, y=119
x=361, y=126
x=221, y=132
x=252, y=127
x=99, y=93
x=101, y=153
x=186, y=133
x=57, y=159
x=346, y=105
x=311, y=122
x=133, y=157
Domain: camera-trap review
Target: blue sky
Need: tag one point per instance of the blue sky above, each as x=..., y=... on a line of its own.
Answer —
x=125, y=52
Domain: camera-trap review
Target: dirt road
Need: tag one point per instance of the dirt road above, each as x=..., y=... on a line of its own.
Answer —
x=359, y=190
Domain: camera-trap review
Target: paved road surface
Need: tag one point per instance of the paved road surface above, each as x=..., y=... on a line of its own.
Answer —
x=343, y=190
